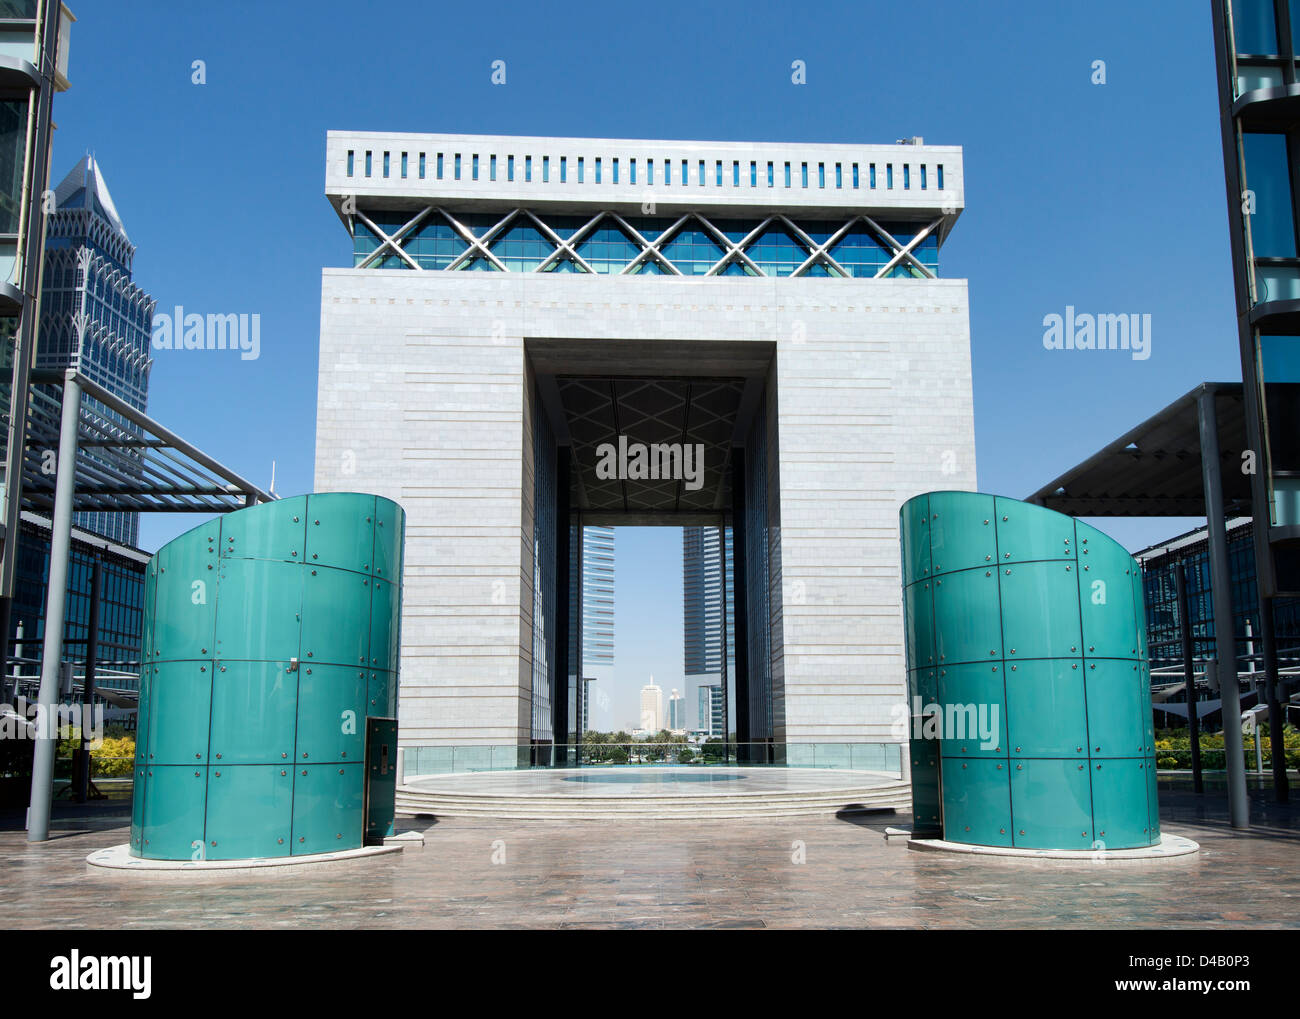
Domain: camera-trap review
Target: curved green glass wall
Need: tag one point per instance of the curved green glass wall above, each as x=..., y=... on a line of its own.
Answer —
x=271, y=635
x=1028, y=685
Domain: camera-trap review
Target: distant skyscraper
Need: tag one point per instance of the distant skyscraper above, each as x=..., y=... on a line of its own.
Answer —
x=704, y=592
x=93, y=317
x=652, y=707
x=586, y=703
x=676, y=712
x=597, y=596
x=710, y=718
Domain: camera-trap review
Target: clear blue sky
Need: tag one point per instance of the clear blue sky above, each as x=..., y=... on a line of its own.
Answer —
x=1109, y=198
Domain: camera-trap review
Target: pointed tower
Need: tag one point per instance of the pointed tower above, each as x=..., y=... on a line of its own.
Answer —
x=93, y=317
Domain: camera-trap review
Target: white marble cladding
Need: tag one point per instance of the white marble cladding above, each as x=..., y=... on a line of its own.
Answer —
x=538, y=180
x=423, y=399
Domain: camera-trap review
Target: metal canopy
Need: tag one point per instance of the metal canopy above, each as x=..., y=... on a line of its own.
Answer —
x=127, y=461
x=1154, y=470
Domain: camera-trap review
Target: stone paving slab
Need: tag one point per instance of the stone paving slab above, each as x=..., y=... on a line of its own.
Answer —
x=680, y=874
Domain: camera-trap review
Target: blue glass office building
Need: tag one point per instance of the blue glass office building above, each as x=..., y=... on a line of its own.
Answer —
x=93, y=316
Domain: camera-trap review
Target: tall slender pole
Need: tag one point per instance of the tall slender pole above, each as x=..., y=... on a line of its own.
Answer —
x=82, y=792
x=1189, y=674
x=38, y=814
x=1221, y=588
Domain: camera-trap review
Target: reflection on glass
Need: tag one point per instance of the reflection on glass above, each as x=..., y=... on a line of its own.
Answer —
x=1268, y=179
x=1252, y=26
x=1279, y=358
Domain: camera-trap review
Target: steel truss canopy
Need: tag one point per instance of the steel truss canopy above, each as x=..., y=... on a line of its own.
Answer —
x=1154, y=470
x=127, y=462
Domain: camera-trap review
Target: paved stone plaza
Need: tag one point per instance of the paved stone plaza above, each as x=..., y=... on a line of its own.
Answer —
x=679, y=874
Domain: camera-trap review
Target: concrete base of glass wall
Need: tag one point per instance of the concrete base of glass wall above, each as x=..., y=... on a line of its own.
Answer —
x=1168, y=847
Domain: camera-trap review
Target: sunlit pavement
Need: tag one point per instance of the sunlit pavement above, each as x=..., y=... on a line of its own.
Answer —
x=789, y=872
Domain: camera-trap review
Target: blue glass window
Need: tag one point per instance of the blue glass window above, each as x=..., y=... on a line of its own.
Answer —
x=510, y=168
x=615, y=168
x=367, y=162
x=922, y=176
x=668, y=171
x=492, y=167
x=351, y=159
x=440, y=166
x=649, y=171
x=839, y=176
x=686, y=173
x=528, y=169
x=804, y=167
x=403, y=165
x=872, y=169
x=787, y=174
x=719, y=173
x=938, y=173
x=735, y=173
x=1268, y=176
x=889, y=176
x=701, y=173
x=385, y=164
x=1253, y=26
x=434, y=243
x=522, y=247
x=598, y=169
x=855, y=175
x=458, y=166
x=421, y=166
x=776, y=252
x=473, y=169
x=631, y=171
x=546, y=169
x=564, y=169
x=692, y=250
x=753, y=174
x=607, y=248
x=821, y=175
x=771, y=175
x=907, y=176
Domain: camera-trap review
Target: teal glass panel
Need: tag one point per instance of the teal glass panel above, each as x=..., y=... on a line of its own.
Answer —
x=1268, y=177
x=327, y=807
x=1115, y=724
x=380, y=692
x=254, y=708
x=137, y=805
x=692, y=249
x=918, y=605
x=1148, y=718
x=335, y=617
x=1051, y=804
x=923, y=683
x=276, y=531
x=185, y=596
x=144, y=712
x=390, y=535
x=1110, y=622
x=1045, y=709
x=1254, y=28
x=257, y=612
x=1028, y=533
x=332, y=714
x=522, y=247
x=966, y=621
x=1040, y=610
x=1119, y=803
x=178, y=713
x=925, y=789
x=1140, y=614
x=977, y=802
x=962, y=532
x=385, y=624
x=1153, y=800
x=914, y=524
x=173, y=812
x=974, y=710
x=150, y=608
x=340, y=531
x=250, y=811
